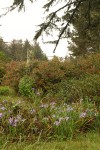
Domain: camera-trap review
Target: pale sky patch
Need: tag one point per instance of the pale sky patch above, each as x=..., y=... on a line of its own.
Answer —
x=22, y=25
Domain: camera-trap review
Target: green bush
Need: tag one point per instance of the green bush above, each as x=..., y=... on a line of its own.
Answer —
x=73, y=90
x=15, y=71
x=48, y=74
x=26, y=86
x=79, y=75
x=69, y=90
x=91, y=86
x=5, y=90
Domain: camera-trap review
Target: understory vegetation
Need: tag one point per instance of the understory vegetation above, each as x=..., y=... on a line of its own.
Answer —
x=50, y=100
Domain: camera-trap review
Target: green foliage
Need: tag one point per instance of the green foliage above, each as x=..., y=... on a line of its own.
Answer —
x=26, y=86
x=74, y=90
x=91, y=86
x=74, y=78
x=18, y=50
x=80, y=67
x=15, y=70
x=5, y=90
x=48, y=74
x=3, y=57
x=87, y=41
x=26, y=120
x=4, y=52
x=38, y=53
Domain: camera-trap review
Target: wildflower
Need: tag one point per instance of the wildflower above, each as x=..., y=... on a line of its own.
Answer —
x=2, y=108
x=96, y=114
x=53, y=116
x=45, y=118
x=19, y=102
x=83, y=115
x=23, y=120
x=65, y=104
x=69, y=108
x=81, y=100
x=18, y=117
x=33, y=111
x=35, y=119
x=61, y=118
x=9, y=111
x=52, y=105
x=56, y=123
x=11, y=119
x=15, y=122
x=44, y=105
x=33, y=89
x=38, y=93
x=1, y=115
x=4, y=101
x=66, y=118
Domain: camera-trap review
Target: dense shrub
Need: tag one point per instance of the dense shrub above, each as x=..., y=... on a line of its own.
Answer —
x=26, y=85
x=14, y=71
x=74, y=90
x=80, y=67
x=49, y=74
x=90, y=64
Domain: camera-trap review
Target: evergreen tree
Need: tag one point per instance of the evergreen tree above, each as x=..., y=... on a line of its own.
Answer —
x=16, y=50
x=4, y=48
x=86, y=34
x=38, y=53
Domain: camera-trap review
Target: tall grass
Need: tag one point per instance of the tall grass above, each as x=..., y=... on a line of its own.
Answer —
x=90, y=141
x=47, y=119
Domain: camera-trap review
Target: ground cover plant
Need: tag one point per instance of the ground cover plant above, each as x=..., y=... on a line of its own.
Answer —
x=47, y=119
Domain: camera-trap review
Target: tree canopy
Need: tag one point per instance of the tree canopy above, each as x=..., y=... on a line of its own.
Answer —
x=86, y=34
x=17, y=50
